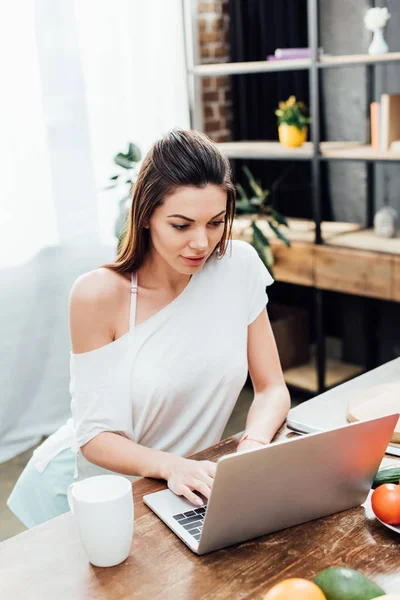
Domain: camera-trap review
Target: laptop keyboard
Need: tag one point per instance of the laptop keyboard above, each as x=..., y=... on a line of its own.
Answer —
x=192, y=521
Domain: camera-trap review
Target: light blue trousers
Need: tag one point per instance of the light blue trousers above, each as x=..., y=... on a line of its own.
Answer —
x=38, y=497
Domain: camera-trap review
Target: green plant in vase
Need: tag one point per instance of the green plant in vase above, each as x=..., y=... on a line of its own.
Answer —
x=258, y=205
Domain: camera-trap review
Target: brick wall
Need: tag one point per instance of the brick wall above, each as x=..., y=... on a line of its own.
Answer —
x=214, y=47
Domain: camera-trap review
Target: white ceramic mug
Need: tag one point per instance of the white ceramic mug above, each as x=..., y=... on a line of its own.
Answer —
x=103, y=508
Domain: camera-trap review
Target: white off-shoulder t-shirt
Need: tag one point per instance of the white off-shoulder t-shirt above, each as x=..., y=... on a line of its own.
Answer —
x=172, y=381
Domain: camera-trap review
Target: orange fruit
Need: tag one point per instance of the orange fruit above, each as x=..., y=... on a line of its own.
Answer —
x=295, y=589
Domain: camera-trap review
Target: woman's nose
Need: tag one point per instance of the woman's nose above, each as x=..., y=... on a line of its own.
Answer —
x=199, y=240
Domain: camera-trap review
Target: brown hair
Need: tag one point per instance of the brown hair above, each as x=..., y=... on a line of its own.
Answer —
x=180, y=158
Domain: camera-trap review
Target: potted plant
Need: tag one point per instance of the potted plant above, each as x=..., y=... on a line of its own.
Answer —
x=129, y=162
x=292, y=122
x=258, y=205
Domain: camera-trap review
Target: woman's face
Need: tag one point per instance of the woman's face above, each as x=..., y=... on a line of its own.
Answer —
x=186, y=229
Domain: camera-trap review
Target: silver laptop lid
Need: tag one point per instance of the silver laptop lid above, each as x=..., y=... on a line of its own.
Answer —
x=293, y=481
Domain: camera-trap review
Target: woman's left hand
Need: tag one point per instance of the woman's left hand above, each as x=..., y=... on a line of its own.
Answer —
x=248, y=445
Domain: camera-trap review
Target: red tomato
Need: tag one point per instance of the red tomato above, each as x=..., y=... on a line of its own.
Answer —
x=386, y=503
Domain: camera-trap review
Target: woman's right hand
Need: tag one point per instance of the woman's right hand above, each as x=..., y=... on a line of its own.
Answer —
x=188, y=476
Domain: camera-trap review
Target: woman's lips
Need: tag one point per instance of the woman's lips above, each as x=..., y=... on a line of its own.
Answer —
x=193, y=261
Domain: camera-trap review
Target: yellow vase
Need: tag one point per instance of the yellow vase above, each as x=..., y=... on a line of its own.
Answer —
x=291, y=136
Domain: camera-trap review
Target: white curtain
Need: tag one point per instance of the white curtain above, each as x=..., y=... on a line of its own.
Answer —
x=80, y=79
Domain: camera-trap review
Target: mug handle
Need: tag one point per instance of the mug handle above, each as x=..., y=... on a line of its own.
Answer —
x=69, y=497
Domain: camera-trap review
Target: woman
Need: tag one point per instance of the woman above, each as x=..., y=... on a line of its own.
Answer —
x=162, y=340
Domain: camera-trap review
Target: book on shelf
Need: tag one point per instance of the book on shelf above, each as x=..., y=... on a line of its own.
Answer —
x=390, y=120
x=385, y=123
x=292, y=53
x=374, y=119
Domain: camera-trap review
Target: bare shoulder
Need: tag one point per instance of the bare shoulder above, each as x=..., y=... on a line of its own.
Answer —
x=99, y=287
x=95, y=300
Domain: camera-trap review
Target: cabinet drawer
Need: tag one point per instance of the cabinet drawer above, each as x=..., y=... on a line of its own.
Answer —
x=396, y=278
x=354, y=272
x=295, y=264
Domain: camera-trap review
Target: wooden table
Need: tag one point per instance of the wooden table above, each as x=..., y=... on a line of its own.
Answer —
x=48, y=562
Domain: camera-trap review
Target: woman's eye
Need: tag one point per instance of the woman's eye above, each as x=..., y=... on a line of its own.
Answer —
x=180, y=227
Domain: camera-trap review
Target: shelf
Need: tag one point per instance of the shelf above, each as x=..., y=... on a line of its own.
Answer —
x=355, y=151
x=272, y=66
x=243, y=68
x=299, y=230
x=261, y=150
x=273, y=150
x=349, y=60
x=366, y=239
x=305, y=376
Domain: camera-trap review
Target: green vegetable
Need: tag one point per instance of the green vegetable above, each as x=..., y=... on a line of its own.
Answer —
x=339, y=583
x=389, y=474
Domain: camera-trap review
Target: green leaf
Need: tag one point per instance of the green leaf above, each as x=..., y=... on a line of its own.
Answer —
x=256, y=201
x=259, y=234
x=123, y=161
x=242, y=193
x=253, y=183
x=244, y=206
x=264, y=252
x=279, y=234
x=279, y=218
x=134, y=153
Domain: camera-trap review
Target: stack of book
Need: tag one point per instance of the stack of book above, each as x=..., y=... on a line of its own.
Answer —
x=385, y=123
x=292, y=53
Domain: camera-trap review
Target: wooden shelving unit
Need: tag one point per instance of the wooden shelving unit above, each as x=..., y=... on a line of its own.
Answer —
x=265, y=66
x=355, y=151
x=299, y=230
x=366, y=239
x=325, y=256
x=355, y=60
x=273, y=150
x=265, y=150
x=247, y=68
x=374, y=261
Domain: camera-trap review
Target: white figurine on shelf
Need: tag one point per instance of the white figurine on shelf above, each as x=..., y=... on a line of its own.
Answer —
x=375, y=20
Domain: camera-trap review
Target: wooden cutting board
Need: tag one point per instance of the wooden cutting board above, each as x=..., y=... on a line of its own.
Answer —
x=374, y=402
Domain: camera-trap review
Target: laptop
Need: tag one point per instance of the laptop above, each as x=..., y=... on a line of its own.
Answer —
x=329, y=410
x=275, y=487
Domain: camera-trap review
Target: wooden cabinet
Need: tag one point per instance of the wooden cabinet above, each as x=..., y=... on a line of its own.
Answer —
x=396, y=279
x=352, y=261
x=295, y=264
x=354, y=272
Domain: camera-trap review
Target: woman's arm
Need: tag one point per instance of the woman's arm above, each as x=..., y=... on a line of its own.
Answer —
x=116, y=453
x=96, y=299
x=271, y=397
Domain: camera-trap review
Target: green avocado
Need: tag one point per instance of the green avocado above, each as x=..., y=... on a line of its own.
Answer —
x=339, y=583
